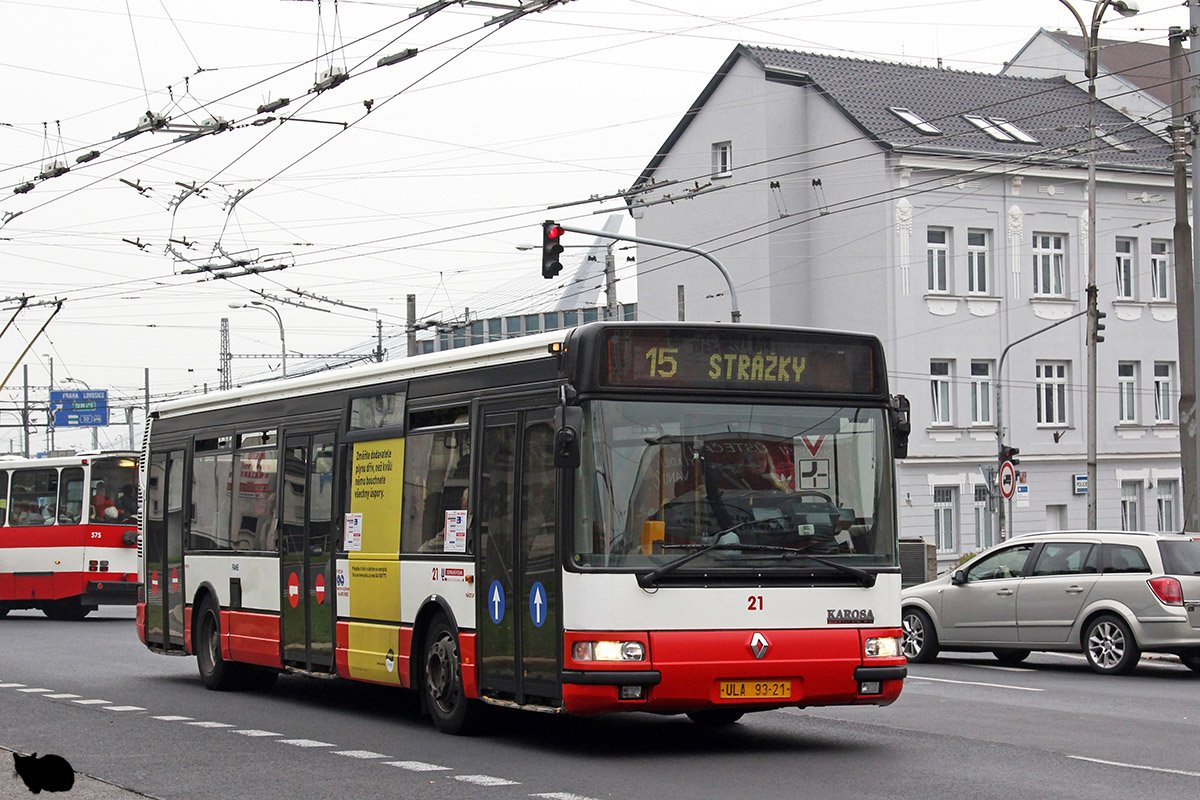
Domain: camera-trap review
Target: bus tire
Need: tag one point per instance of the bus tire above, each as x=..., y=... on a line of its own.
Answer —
x=71, y=609
x=442, y=685
x=215, y=672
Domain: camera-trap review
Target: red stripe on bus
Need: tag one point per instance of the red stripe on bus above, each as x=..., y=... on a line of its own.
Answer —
x=341, y=653
x=66, y=536
x=470, y=669
x=253, y=638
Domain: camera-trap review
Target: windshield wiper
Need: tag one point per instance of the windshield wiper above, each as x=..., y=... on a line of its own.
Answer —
x=861, y=576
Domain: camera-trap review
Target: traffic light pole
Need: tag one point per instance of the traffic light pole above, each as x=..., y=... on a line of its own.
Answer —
x=735, y=313
x=1000, y=447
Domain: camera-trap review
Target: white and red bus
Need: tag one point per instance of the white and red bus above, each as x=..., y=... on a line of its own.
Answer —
x=673, y=518
x=68, y=533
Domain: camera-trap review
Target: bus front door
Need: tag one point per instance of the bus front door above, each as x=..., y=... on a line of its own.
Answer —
x=306, y=557
x=519, y=629
x=163, y=547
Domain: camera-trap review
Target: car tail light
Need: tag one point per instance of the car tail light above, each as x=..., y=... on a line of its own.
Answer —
x=1167, y=590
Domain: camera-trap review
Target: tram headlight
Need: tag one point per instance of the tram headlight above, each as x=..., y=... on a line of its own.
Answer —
x=608, y=651
x=882, y=647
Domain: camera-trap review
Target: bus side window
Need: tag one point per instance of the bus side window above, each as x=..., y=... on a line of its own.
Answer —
x=70, y=496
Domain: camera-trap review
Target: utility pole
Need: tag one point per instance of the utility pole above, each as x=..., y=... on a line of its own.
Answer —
x=411, y=327
x=226, y=361
x=25, y=413
x=610, y=283
x=1185, y=301
x=50, y=410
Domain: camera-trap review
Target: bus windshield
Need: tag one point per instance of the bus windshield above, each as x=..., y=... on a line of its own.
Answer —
x=765, y=483
x=112, y=495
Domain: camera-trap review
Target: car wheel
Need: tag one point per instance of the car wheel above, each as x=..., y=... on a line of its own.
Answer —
x=215, y=672
x=1110, y=647
x=452, y=711
x=1191, y=660
x=1010, y=658
x=715, y=717
x=920, y=642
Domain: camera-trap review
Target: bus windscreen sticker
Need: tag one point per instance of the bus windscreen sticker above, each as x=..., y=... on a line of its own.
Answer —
x=354, y=532
x=456, y=532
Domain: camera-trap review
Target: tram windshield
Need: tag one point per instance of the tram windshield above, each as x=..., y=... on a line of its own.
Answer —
x=753, y=485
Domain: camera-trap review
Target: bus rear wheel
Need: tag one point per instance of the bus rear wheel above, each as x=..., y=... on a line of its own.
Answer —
x=71, y=609
x=450, y=708
x=215, y=672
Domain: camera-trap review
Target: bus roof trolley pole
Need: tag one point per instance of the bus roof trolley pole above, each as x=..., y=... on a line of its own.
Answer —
x=735, y=315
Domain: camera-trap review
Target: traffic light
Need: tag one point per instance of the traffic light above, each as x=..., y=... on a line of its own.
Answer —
x=1009, y=454
x=1100, y=315
x=552, y=234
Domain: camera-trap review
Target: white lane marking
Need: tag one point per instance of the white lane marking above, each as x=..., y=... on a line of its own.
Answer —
x=1137, y=766
x=485, y=780
x=999, y=668
x=305, y=743
x=62, y=696
x=35, y=691
x=211, y=724
x=561, y=796
x=364, y=754
x=124, y=708
x=11, y=685
x=253, y=732
x=975, y=683
x=172, y=718
x=414, y=766
x=93, y=702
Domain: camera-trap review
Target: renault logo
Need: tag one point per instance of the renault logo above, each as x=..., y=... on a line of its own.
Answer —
x=759, y=645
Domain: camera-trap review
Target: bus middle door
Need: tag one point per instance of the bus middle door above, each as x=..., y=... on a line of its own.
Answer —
x=519, y=628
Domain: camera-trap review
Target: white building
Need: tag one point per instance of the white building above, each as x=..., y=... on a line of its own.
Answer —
x=946, y=213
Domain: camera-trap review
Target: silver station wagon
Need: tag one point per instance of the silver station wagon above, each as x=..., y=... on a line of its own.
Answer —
x=1107, y=594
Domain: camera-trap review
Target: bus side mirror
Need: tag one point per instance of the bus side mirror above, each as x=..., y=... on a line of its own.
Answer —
x=568, y=422
x=901, y=425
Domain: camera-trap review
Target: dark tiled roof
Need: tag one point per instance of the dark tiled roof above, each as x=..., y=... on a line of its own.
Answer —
x=1146, y=66
x=1052, y=110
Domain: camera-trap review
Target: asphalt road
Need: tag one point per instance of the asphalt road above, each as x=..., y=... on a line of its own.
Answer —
x=964, y=727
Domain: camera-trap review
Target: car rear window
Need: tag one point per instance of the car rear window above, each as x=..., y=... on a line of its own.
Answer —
x=1124, y=558
x=1181, y=558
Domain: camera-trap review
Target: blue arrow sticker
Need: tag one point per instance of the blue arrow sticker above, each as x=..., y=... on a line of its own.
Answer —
x=495, y=602
x=537, y=604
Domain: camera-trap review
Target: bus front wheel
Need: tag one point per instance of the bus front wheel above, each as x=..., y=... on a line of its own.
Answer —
x=451, y=710
x=215, y=672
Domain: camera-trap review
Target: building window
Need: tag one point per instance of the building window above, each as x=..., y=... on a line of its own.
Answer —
x=1125, y=271
x=937, y=254
x=1161, y=277
x=1126, y=392
x=1049, y=258
x=977, y=262
x=943, y=518
x=927, y=128
x=1168, y=508
x=981, y=393
x=722, y=159
x=984, y=527
x=939, y=387
x=1131, y=496
x=1164, y=391
x=1051, y=387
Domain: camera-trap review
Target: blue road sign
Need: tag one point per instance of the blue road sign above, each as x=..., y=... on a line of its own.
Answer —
x=537, y=604
x=495, y=602
x=69, y=418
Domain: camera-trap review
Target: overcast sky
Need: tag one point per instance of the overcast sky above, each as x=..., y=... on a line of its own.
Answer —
x=419, y=177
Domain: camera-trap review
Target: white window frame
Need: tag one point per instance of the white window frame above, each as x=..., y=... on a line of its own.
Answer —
x=914, y=119
x=981, y=392
x=944, y=533
x=1126, y=269
x=978, y=278
x=985, y=528
x=940, y=375
x=1050, y=381
x=1164, y=392
x=937, y=258
x=1049, y=264
x=1168, y=506
x=1162, y=276
x=722, y=159
x=1131, y=501
x=1127, y=392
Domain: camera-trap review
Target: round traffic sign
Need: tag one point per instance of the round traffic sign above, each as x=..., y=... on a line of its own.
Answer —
x=1008, y=480
x=293, y=590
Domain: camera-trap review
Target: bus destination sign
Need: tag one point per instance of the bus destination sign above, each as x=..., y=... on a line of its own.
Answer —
x=749, y=360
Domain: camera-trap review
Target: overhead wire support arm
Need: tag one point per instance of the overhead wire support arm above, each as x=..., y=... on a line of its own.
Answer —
x=735, y=312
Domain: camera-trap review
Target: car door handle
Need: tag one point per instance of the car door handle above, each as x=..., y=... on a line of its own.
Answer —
x=1004, y=592
x=1074, y=589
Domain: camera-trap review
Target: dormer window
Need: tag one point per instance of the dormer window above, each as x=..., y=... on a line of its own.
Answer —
x=927, y=128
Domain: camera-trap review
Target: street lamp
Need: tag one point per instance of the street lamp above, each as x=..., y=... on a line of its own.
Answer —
x=1091, y=38
x=95, y=428
x=278, y=319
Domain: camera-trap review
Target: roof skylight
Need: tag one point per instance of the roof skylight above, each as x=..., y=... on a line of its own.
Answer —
x=1012, y=130
x=999, y=129
x=927, y=128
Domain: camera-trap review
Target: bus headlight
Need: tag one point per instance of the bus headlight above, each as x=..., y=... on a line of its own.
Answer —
x=608, y=651
x=882, y=647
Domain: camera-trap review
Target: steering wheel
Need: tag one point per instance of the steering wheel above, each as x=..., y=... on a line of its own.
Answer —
x=814, y=493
